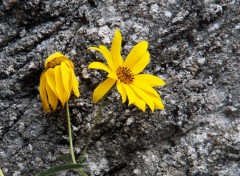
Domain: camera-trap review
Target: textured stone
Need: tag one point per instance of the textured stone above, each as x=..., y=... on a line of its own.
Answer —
x=194, y=46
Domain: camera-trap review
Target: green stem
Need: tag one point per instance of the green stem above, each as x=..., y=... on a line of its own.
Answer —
x=94, y=126
x=70, y=141
x=70, y=134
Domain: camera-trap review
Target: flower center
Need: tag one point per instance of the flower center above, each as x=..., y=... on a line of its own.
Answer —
x=53, y=63
x=125, y=75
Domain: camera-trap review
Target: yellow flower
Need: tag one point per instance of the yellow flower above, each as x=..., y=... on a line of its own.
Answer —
x=126, y=74
x=57, y=81
x=1, y=173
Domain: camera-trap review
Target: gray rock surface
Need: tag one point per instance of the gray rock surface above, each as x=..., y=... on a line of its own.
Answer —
x=194, y=46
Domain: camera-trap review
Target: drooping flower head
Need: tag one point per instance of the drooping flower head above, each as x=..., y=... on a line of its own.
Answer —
x=138, y=88
x=57, y=82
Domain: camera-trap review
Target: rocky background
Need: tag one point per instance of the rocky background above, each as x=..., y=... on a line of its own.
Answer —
x=195, y=48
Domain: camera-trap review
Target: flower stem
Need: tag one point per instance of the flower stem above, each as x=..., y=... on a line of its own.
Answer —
x=70, y=134
x=70, y=141
x=94, y=125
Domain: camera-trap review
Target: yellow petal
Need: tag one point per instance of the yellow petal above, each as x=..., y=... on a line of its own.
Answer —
x=94, y=48
x=66, y=73
x=141, y=64
x=99, y=65
x=116, y=49
x=52, y=98
x=145, y=87
x=130, y=93
x=50, y=77
x=53, y=56
x=102, y=89
x=158, y=103
x=43, y=93
x=107, y=55
x=140, y=103
x=69, y=63
x=75, y=83
x=122, y=91
x=149, y=79
x=144, y=96
x=112, y=75
x=63, y=95
x=136, y=54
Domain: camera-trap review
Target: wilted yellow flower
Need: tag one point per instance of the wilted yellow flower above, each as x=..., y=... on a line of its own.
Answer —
x=126, y=74
x=57, y=81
